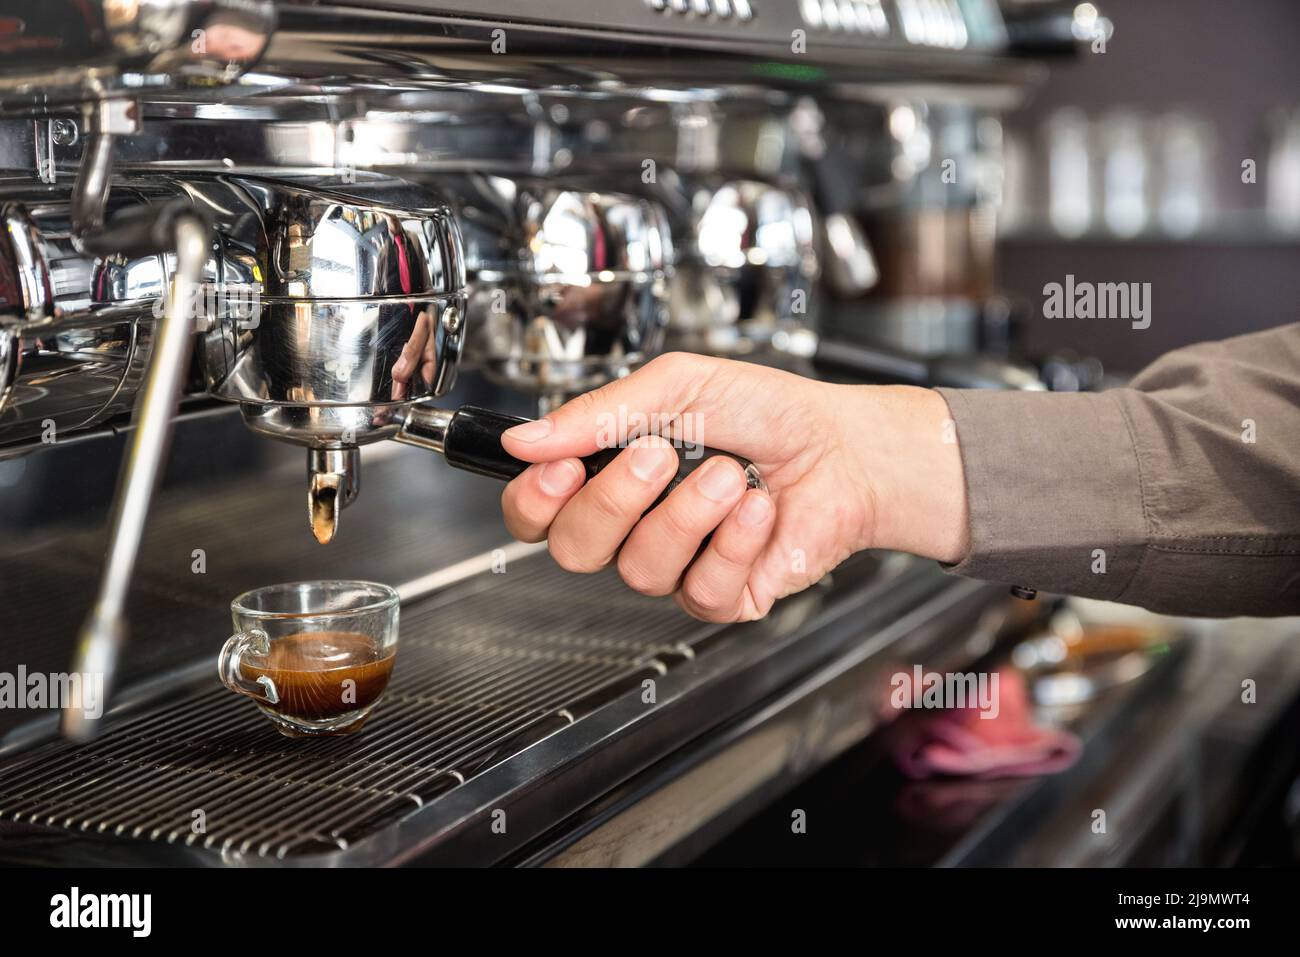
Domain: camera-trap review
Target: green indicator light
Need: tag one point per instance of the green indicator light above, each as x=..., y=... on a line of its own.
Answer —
x=790, y=71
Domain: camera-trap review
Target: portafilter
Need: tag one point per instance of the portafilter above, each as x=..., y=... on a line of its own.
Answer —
x=363, y=309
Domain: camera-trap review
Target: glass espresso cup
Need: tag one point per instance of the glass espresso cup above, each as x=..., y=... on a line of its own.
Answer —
x=315, y=656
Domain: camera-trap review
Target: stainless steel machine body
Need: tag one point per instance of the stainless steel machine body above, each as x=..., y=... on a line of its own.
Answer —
x=318, y=214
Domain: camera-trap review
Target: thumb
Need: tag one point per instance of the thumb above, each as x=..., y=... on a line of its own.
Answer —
x=646, y=401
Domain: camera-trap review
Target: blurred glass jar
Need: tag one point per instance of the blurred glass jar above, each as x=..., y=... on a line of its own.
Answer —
x=1069, y=172
x=1282, y=172
x=1185, y=190
x=1015, y=198
x=1125, y=173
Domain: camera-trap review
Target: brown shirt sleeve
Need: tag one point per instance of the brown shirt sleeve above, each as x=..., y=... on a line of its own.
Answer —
x=1180, y=492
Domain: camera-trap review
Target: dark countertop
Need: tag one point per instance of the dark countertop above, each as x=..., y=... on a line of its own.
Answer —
x=1174, y=758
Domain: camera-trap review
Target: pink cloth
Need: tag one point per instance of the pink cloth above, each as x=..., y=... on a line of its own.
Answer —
x=959, y=742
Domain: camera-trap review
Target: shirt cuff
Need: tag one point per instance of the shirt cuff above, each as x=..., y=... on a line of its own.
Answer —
x=1054, y=490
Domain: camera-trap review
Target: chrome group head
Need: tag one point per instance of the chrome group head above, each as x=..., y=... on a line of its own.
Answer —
x=568, y=282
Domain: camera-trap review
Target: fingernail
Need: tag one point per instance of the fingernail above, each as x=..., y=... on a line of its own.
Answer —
x=754, y=510
x=649, y=462
x=533, y=431
x=721, y=481
x=559, y=478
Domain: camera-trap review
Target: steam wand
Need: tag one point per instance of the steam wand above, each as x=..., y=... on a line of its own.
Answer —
x=140, y=232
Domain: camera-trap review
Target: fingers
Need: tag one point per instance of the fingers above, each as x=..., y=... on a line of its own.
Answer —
x=716, y=587
x=659, y=554
x=663, y=543
x=587, y=532
x=603, y=418
x=412, y=351
x=531, y=501
x=408, y=362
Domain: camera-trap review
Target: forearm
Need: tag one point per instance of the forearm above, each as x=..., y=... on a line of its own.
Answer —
x=908, y=456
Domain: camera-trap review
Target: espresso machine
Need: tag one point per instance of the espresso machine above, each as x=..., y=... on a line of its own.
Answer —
x=337, y=224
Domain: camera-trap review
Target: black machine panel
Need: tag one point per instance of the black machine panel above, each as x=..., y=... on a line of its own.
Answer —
x=933, y=25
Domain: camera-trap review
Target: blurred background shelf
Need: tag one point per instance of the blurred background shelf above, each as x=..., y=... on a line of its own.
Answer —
x=1243, y=234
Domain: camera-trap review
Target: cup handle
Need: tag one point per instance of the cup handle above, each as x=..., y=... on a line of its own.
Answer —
x=232, y=675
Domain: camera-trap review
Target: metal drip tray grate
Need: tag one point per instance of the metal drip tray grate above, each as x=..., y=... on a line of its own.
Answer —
x=484, y=669
x=39, y=625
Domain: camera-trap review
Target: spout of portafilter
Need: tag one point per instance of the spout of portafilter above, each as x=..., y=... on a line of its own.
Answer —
x=323, y=507
x=333, y=483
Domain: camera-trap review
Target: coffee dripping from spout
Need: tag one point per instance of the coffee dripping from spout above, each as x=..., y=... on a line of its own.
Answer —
x=333, y=483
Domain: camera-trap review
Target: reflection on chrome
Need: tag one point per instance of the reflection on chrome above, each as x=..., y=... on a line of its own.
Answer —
x=749, y=268
x=568, y=285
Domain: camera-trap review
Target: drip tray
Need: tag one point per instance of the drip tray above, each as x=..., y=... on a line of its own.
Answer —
x=484, y=669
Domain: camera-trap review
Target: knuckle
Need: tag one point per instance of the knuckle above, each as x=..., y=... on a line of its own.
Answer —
x=679, y=523
x=603, y=499
x=518, y=527
x=571, y=557
x=578, y=409
x=688, y=604
x=525, y=521
x=682, y=602
x=665, y=362
x=732, y=551
x=708, y=599
x=638, y=578
x=672, y=363
x=601, y=398
x=586, y=401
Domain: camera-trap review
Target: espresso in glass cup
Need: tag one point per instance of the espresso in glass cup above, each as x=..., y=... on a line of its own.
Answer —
x=315, y=656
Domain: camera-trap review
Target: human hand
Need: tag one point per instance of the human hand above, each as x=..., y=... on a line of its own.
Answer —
x=846, y=467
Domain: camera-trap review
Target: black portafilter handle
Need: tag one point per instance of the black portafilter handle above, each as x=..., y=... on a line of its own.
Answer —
x=472, y=442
